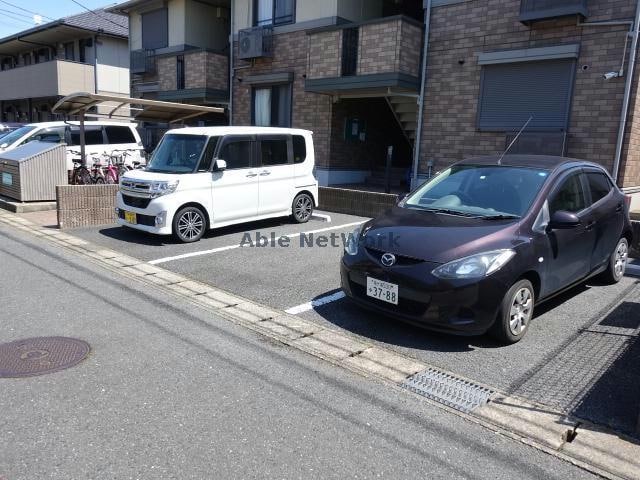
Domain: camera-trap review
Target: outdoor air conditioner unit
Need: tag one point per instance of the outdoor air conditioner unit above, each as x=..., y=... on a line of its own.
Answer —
x=254, y=43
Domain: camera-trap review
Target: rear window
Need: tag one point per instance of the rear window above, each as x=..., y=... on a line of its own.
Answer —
x=299, y=149
x=119, y=135
x=599, y=185
x=274, y=151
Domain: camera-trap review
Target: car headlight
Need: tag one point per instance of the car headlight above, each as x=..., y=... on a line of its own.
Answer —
x=163, y=188
x=351, y=245
x=475, y=266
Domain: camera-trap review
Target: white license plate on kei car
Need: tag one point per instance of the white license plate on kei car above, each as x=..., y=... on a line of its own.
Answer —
x=385, y=291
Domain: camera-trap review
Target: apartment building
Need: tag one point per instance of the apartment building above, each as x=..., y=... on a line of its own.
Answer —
x=493, y=64
x=349, y=70
x=80, y=53
x=352, y=72
x=179, y=52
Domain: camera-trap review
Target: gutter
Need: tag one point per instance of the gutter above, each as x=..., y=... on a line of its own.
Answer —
x=627, y=95
x=423, y=83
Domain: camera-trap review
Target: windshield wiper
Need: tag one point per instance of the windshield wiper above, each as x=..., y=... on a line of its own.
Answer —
x=448, y=211
x=502, y=216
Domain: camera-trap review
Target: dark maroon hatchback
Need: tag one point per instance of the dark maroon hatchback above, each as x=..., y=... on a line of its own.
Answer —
x=475, y=248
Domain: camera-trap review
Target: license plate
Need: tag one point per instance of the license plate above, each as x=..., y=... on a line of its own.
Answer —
x=385, y=291
x=130, y=217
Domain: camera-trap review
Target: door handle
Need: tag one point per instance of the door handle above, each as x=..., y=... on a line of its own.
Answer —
x=265, y=173
x=590, y=226
x=619, y=208
x=251, y=175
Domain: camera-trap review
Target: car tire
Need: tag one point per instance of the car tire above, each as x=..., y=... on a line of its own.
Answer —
x=617, y=262
x=302, y=208
x=516, y=312
x=189, y=225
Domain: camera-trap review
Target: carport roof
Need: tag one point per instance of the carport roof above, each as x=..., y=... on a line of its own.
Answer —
x=134, y=108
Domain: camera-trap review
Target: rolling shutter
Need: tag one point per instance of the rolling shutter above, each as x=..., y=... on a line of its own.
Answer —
x=512, y=92
x=155, y=29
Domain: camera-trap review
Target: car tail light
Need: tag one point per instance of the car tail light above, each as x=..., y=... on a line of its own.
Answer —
x=627, y=201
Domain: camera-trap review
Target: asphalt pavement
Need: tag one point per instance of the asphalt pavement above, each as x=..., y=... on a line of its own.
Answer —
x=304, y=280
x=172, y=391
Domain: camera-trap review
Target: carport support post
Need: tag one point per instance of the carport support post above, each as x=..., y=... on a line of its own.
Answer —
x=83, y=159
x=387, y=183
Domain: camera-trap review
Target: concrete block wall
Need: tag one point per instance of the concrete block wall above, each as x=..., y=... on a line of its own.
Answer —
x=355, y=202
x=85, y=205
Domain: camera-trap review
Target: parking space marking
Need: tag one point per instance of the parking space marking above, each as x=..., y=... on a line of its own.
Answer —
x=234, y=247
x=322, y=217
x=305, y=307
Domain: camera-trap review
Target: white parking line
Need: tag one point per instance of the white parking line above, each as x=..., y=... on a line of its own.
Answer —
x=305, y=307
x=322, y=217
x=233, y=247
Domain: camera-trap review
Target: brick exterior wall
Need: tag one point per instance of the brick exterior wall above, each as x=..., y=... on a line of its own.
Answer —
x=378, y=48
x=167, y=73
x=206, y=70
x=383, y=47
x=325, y=53
x=84, y=205
x=459, y=32
x=309, y=111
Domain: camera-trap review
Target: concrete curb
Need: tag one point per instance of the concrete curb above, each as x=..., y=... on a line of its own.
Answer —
x=586, y=446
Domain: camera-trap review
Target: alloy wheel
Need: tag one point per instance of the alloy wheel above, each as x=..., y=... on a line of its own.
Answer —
x=521, y=311
x=620, y=260
x=190, y=225
x=303, y=208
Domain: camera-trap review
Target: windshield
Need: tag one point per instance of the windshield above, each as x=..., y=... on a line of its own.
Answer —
x=177, y=154
x=15, y=135
x=487, y=191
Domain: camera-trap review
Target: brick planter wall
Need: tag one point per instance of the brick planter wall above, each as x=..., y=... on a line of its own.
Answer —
x=84, y=205
x=355, y=202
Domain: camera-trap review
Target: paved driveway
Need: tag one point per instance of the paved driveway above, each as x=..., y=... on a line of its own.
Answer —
x=576, y=357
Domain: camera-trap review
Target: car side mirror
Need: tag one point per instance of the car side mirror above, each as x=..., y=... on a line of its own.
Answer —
x=563, y=220
x=220, y=165
x=401, y=198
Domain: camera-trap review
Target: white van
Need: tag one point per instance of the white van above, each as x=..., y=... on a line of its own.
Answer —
x=202, y=178
x=100, y=138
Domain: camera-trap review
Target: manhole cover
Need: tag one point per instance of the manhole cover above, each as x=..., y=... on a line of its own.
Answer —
x=37, y=356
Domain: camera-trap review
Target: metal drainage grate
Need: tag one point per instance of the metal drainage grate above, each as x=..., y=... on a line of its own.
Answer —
x=37, y=356
x=445, y=388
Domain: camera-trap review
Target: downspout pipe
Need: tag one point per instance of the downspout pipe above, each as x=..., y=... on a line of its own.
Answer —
x=231, y=52
x=416, y=149
x=627, y=94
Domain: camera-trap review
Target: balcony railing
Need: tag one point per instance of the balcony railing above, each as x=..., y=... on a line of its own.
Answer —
x=143, y=61
x=377, y=49
x=48, y=79
x=534, y=10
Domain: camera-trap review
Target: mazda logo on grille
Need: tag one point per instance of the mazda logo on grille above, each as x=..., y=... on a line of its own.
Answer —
x=388, y=259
